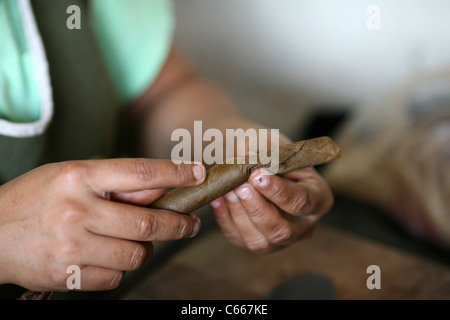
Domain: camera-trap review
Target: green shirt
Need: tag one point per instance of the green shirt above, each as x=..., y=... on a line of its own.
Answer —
x=19, y=99
x=134, y=37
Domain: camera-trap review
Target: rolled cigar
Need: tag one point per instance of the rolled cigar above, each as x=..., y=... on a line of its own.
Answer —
x=223, y=178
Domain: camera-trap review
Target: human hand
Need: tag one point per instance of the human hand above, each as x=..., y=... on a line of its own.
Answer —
x=269, y=212
x=91, y=214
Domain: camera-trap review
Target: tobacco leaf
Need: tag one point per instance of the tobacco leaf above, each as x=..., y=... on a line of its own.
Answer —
x=223, y=178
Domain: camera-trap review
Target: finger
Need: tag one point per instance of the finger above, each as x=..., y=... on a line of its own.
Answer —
x=138, y=198
x=289, y=196
x=128, y=175
x=99, y=279
x=320, y=194
x=225, y=222
x=102, y=262
x=113, y=253
x=91, y=278
x=252, y=237
x=130, y=222
x=267, y=218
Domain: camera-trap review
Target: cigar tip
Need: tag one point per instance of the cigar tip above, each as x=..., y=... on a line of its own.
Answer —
x=327, y=145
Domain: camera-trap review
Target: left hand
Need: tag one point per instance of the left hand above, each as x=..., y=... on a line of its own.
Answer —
x=269, y=212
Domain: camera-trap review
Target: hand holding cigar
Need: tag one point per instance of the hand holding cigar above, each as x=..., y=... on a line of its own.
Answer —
x=223, y=178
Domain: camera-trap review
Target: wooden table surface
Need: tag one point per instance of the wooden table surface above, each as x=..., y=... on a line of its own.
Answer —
x=211, y=268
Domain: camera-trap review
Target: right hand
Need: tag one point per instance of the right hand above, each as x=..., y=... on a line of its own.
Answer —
x=91, y=214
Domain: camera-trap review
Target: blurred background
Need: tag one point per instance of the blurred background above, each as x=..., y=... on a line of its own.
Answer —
x=279, y=58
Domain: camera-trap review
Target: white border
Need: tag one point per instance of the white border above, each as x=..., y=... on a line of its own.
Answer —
x=36, y=47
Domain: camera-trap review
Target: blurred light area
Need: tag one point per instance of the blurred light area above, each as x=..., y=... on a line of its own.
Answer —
x=321, y=49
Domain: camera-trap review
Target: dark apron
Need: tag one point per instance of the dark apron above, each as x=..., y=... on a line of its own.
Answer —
x=86, y=108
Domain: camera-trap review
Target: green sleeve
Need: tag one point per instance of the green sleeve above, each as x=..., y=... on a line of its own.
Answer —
x=19, y=97
x=135, y=37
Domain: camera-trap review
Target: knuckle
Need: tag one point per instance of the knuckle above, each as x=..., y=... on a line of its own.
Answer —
x=238, y=215
x=135, y=258
x=182, y=174
x=147, y=227
x=144, y=170
x=255, y=211
x=280, y=234
x=258, y=245
x=300, y=202
x=277, y=193
x=67, y=250
x=63, y=216
x=57, y=275
x=57, y=278
x=72, y=172
x=184, y=228
x=71, y=213
x=115, y=279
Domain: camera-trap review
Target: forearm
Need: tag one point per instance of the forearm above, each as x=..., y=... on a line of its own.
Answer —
x=197, y=100
x=180, y=97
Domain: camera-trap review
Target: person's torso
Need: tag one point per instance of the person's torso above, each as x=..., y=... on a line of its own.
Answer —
x=93, y=72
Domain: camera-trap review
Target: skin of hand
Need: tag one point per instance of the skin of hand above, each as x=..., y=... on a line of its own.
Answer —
x=270, y=212
x=266, y=213
x=90, y=214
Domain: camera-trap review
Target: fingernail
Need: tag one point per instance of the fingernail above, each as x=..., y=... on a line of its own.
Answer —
x=261, y=180
x=196, y=227
x=198, y=172
x=215, y=204
x=231, y=196
x=243, y=193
